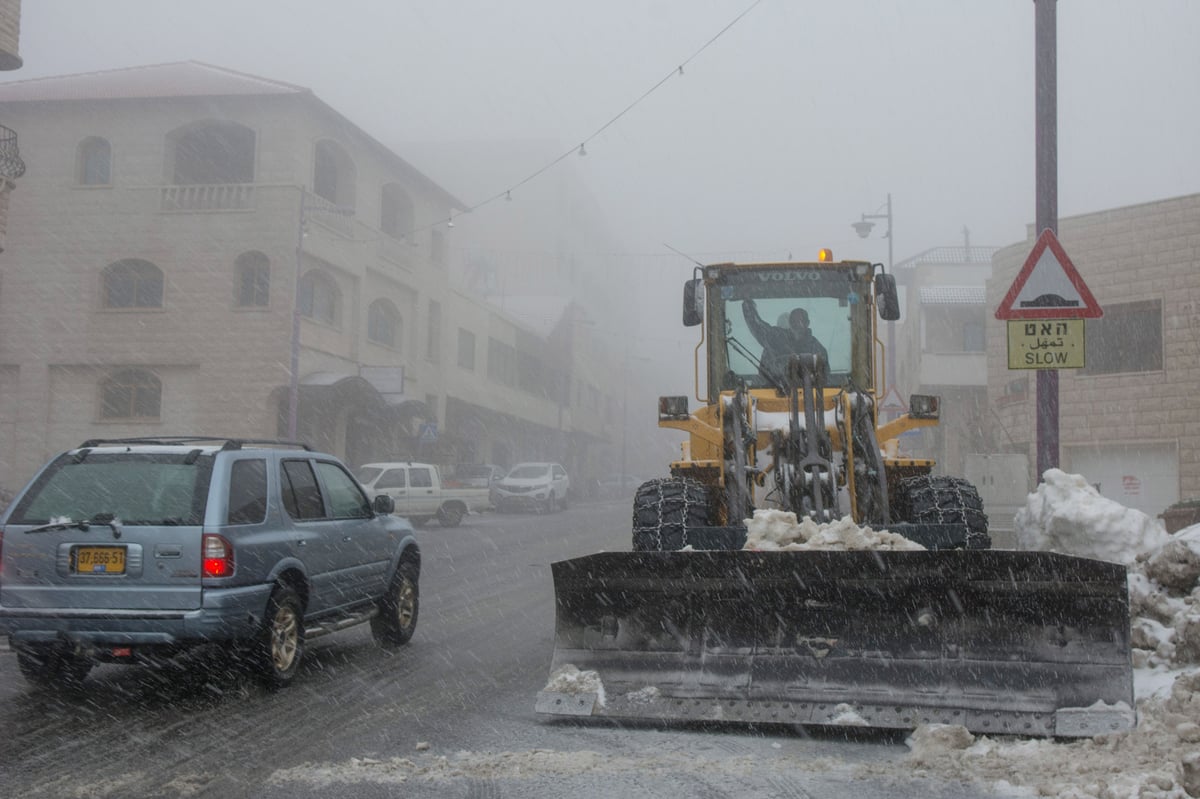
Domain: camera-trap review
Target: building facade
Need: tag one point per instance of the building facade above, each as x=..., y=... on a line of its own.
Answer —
x=11, y=165
x=198, y=251
x=1128, y=420
x=942, y=350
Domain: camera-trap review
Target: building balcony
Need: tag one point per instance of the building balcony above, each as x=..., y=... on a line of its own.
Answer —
x=207, y=197
x=11, y=165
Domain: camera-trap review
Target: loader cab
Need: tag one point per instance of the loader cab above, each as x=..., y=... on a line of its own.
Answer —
x=840, y=300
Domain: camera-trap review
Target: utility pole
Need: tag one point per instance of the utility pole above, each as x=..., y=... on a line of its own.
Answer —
x=1046, y=158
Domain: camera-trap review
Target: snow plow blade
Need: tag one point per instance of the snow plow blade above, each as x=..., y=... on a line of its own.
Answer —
x=1000, y=642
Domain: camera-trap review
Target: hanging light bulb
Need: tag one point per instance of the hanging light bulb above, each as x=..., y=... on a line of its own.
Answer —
x=582, y=151
x=508, y=196
x=450, y=223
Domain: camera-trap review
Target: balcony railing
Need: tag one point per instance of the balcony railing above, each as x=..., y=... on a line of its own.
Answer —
x=11, y=165
x=208, y=197
x=338, y=218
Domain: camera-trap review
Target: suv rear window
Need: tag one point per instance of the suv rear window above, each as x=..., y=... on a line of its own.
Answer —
x=132, y=488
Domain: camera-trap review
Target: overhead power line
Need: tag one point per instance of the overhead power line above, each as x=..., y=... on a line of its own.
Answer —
x=581, y=148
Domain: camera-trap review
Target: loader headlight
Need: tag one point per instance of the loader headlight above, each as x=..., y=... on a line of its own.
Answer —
x=672, y=408
x=924, y=406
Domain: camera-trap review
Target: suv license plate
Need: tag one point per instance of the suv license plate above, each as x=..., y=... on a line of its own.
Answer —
x=100, y=560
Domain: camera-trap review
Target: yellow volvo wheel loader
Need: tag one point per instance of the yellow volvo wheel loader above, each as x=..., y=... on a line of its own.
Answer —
x=691, y=626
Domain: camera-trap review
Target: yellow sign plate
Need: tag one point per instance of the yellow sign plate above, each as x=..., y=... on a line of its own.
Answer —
x=1046, y=343
x=100, y=560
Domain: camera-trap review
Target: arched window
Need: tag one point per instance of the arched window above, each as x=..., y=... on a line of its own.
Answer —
x=208, y=153
x=133, y=283
x=384, y=324
x=131, y=394
x=93, y=162
x=396, y=211
x=333, y=174
x=253, y=286
x=320, y=298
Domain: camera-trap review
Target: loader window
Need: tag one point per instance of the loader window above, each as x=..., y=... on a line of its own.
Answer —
x=828, y=319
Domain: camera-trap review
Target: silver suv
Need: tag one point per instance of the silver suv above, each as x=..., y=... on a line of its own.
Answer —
x=133, y=550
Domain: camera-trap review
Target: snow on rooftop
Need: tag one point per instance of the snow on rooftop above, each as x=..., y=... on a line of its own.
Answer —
x=953, y=295
x=180, y=79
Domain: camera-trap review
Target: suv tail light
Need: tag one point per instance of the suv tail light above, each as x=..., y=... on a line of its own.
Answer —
x=217, y=556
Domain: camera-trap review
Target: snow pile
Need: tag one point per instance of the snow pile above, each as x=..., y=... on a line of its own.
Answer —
x=1160, y=759
x=777, y=530
x=1067, y=514
x=1164, y=601
x=572, y=680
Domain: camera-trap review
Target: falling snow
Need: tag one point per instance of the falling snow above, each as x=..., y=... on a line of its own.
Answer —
x=1159, y=759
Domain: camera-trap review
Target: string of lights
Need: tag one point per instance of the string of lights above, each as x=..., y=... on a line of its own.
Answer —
x=581, y=148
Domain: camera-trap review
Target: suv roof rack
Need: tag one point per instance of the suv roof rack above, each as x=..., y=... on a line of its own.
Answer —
x=226, y=442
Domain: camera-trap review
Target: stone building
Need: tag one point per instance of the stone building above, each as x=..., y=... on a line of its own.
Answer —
x=200, y=251
x=1128, y=420
x=11, y=165
x=941, y=350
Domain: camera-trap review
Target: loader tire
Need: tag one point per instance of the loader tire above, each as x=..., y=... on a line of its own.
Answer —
x=664, y=510
x=936, y=499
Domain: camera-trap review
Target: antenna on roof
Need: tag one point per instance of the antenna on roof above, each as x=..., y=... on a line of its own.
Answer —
x=684, y=254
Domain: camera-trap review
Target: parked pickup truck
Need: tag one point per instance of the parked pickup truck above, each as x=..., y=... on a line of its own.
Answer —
x=418, y=492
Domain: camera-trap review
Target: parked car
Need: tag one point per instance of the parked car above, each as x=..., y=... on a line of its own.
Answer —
x=420, y=494
x=536, y=486
x=472, y=475
x=617, y=486
x=134, y=550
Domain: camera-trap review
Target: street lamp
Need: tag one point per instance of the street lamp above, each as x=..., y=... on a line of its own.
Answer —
x=294, y=377
x=863, y=228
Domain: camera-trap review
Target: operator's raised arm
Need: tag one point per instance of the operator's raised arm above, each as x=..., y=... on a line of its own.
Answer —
x=780, y=343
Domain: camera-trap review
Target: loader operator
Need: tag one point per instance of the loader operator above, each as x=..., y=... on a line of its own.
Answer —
x=780, y=343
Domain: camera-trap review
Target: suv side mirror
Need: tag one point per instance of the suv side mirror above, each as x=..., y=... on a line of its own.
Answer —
x=383, y=504
x=693, y=302
x=885, y=295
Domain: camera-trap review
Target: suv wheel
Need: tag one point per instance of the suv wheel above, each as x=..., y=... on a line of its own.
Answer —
x=397, y=618
x=281, y=646
x=46, y=668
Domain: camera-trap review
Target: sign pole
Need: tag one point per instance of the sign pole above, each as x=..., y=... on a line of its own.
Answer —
x=1046, y=157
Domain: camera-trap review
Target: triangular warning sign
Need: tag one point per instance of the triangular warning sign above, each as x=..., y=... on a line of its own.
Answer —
x=1048, y=286
x=892, y=401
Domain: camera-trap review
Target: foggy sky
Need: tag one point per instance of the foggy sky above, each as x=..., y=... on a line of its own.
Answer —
x=775, y=138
